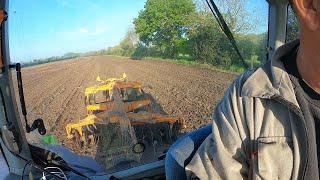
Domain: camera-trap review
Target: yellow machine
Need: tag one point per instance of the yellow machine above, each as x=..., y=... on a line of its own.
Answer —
x=120, y=102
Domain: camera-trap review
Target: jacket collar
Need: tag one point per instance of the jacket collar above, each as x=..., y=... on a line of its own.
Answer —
x=272, y=78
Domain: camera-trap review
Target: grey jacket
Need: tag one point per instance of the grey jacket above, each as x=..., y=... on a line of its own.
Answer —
x=257, y=130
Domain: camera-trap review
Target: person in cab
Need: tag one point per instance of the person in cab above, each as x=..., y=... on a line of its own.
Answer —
x=267, y=126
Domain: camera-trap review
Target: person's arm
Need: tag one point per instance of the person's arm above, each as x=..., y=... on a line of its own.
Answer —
x=224, y=154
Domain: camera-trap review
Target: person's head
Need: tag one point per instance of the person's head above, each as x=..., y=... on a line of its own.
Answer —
x=308, y=12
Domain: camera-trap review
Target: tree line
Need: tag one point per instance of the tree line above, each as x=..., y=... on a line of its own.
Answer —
x=66, y=56
x=185, y=29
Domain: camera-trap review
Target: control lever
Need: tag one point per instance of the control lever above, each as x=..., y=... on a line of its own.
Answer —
x=38, y=123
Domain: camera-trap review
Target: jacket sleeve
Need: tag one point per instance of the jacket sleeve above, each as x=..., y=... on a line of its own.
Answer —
x=223, y=155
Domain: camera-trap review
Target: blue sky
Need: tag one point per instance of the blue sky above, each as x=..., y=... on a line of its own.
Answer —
x=45, y=28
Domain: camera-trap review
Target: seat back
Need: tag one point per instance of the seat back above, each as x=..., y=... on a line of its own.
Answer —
x=182, y=151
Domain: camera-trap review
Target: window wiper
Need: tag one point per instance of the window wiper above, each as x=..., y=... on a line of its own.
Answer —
x=223, y=25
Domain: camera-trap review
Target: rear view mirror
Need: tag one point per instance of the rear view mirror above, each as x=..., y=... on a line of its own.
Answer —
x=38, y=124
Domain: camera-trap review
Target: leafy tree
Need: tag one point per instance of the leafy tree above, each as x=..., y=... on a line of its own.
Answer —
x=129, y=43
x=164, y=24
x=253, y=46
x=208, y=44
x=127, y=46
x=186, y=28
x=236, y=15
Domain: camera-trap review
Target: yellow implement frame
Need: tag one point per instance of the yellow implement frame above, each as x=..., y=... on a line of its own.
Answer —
x=107, y=85
x=128, y=106
x=89, y=120
x=116, y=108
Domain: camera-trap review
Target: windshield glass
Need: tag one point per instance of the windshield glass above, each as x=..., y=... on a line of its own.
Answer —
x=121, y=81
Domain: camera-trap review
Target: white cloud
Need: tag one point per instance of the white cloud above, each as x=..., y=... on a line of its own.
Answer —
x=96, y=30
x=83, y=30
x=99, y=30
x=65, y=3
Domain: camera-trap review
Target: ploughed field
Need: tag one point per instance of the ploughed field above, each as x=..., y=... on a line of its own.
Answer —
x=55, y=91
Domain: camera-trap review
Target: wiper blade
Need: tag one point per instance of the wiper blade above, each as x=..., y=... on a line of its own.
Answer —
x=223, y=25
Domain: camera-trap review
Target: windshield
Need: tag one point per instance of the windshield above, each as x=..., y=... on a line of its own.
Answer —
x=121, y=81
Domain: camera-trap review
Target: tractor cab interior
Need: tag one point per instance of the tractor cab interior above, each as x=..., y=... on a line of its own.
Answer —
x=123, y=131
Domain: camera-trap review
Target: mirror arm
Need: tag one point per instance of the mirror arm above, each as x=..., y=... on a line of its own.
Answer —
x=38, y=123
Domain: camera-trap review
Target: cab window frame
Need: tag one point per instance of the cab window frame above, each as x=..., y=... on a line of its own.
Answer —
x=5, y=119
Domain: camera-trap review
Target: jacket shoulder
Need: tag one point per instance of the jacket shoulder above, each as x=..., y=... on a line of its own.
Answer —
x=238, y=84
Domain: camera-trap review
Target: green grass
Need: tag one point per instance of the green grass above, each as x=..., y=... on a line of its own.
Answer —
x=234, y=69
x=183, y=60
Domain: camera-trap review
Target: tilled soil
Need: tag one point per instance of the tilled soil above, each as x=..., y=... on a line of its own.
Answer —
x=55, y=91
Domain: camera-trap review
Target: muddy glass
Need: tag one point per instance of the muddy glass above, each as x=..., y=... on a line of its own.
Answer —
x=119, y=82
